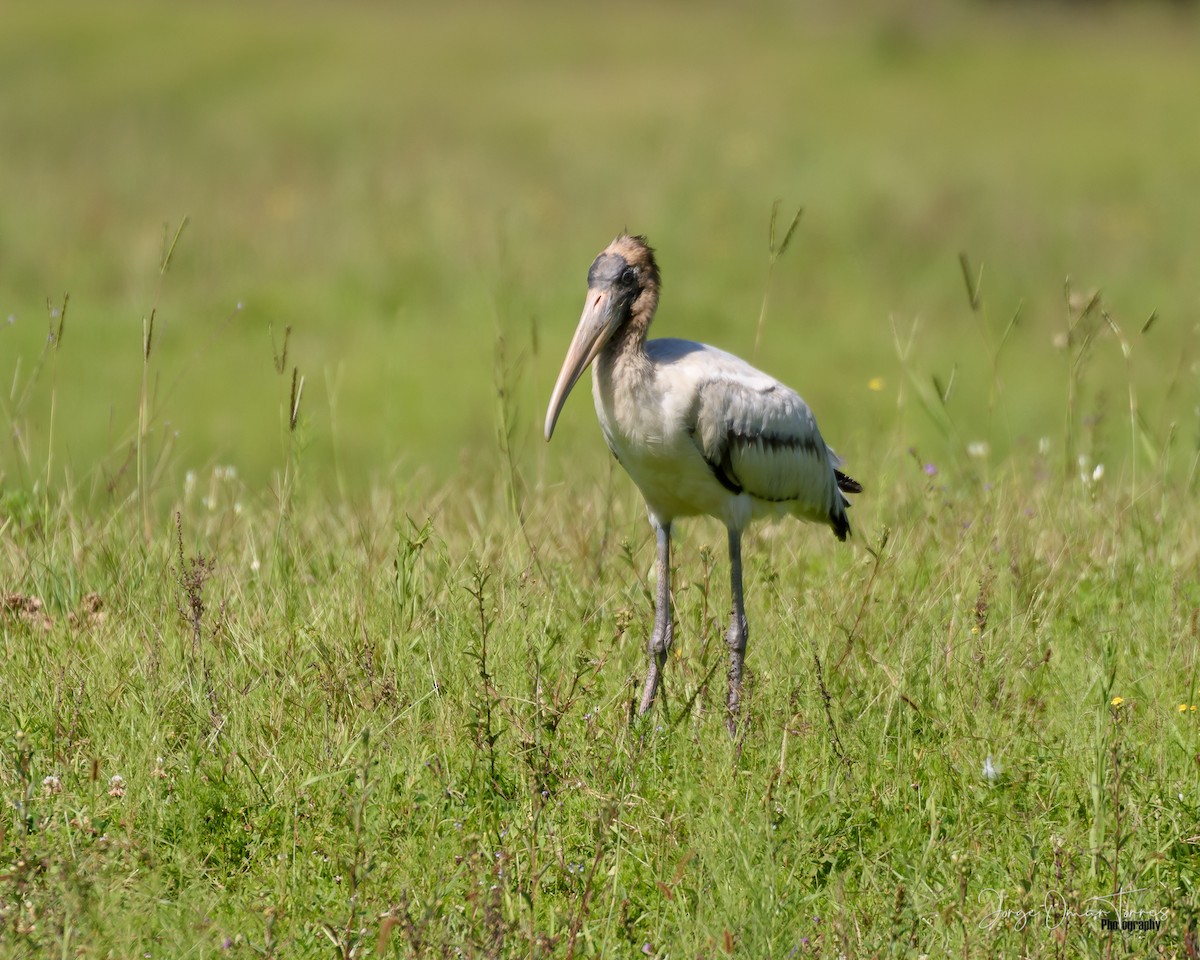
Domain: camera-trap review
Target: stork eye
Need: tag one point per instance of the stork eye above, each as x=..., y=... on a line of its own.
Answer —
x=629, y=276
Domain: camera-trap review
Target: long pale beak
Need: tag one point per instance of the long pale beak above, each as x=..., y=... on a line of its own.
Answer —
x=595, y=327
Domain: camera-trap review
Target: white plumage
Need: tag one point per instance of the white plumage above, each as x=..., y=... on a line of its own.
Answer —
x=700, y=431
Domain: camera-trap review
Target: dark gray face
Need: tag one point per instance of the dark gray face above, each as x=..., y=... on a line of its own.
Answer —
x=612, y=272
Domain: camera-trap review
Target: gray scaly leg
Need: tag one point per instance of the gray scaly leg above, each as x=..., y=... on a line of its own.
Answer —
x=664, y=628
x=738, y=634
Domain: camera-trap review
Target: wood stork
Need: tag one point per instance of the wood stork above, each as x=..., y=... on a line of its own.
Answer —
x=700, y=431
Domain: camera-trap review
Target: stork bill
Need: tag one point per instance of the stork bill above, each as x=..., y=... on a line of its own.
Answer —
x=700, y=432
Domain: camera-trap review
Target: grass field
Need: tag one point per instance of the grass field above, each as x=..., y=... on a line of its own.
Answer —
x=312, y=647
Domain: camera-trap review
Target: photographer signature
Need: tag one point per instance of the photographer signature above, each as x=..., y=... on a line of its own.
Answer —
x=1055, y=911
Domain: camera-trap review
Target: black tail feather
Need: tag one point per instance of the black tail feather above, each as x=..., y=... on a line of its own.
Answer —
x=837, y=516
x=840, y=523
x=847, y=484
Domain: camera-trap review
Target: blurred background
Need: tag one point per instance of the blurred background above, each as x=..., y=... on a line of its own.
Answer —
x=417, y=190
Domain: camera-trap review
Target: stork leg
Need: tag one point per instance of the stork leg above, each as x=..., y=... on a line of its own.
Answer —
x=738, y=633
x=664, y=627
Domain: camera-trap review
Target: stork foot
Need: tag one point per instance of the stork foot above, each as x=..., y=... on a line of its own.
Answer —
x=664, y=626
x=651, y=688
x=660, y=644
x=736, y=640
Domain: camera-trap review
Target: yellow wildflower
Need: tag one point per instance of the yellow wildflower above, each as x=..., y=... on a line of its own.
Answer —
x=1183, y=708
x=875, y=383
x=1116, y=701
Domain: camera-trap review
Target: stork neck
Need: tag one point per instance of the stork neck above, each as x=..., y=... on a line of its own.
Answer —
x=629, y=341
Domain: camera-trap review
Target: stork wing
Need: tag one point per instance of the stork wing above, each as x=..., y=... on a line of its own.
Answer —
x=759, y=437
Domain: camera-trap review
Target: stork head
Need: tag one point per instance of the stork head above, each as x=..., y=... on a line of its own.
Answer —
x=623, y=287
